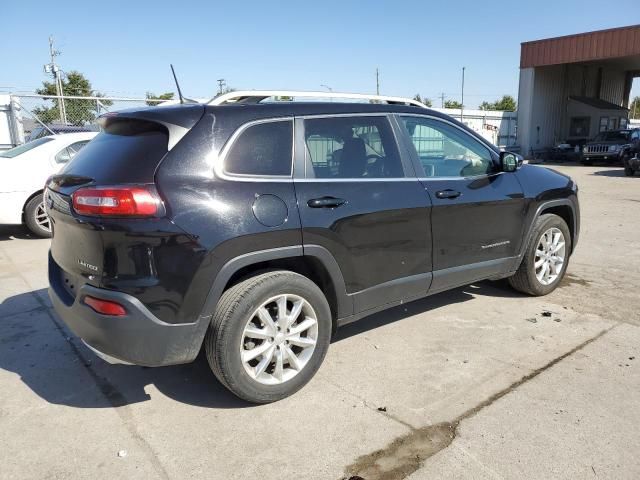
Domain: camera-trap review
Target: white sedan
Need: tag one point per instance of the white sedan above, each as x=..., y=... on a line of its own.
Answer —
x=23, y=172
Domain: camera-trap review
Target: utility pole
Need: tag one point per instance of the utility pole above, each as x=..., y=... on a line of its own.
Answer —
x=442, y=96
x=221, y=85
x=462, y=102
x=53, y=69
x=377, y=82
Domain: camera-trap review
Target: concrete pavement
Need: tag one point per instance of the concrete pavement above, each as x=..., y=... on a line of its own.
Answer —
x=473, y=383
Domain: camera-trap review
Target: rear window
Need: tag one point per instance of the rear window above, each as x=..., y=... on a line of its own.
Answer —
x=19, y=150
x=262, y=149
x=126, y=151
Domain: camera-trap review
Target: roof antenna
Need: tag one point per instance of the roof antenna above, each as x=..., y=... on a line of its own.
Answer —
x=177, y=84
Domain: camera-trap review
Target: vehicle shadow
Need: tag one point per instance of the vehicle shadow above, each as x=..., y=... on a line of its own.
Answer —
x=15, y=232
x=609, y=173
x=463, y=294
x=36, y=345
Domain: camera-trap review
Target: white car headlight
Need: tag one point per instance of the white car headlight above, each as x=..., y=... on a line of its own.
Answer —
x=613, y=148
x=585, y=149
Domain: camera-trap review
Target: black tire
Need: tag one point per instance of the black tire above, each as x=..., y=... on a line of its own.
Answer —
x=31, y=210
x=628, y=171
x=587, y=163
x=235, y=308
x=525, y=280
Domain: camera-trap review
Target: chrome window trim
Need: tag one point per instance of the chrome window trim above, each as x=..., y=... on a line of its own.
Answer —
x=219, y=164
x=385, y=115
x=343, y=180
x=473, y=177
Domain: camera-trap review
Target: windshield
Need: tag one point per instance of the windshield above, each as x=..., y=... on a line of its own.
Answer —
x=19, y=150
x=621, y=136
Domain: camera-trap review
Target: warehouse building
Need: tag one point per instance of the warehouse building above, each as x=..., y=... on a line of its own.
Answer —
x=573, y=87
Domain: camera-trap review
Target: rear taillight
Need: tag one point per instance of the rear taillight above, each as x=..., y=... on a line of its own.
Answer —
x=105, y=307
x=121, y=201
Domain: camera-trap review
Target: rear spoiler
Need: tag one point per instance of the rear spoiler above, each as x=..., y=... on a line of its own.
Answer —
x=178, y=119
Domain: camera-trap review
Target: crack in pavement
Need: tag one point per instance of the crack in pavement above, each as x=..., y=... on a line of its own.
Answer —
x=406, y=454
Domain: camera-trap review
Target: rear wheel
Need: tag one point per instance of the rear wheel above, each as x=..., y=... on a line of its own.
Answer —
x=269, y=335
x=546, y=258
x=36, y=218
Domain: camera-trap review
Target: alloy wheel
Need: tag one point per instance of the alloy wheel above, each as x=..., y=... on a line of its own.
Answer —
x=550, y=256
x=41, y=217
x=279, y=339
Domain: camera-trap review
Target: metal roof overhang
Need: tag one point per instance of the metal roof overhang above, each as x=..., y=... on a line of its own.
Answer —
x=616, y=43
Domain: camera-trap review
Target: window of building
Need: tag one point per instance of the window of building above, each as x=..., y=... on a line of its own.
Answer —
x=579, y=127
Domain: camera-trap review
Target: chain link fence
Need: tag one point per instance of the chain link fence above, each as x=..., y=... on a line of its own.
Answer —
x=40, y=115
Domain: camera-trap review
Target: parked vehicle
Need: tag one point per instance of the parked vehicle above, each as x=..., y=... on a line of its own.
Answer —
x=611, y=146
x=23, y=172
x=632, y=164
x=57, y=128
x=255, y=229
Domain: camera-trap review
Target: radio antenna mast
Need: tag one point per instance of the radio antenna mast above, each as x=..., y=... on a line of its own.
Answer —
x=177, y=84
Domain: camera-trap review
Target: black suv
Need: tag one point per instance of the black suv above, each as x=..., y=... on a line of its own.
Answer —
x=612, y=146
x=254, y=230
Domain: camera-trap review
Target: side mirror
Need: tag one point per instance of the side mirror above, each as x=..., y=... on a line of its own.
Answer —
x=510, y=162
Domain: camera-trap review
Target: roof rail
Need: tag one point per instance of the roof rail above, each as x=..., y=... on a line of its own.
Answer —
x=256, y=96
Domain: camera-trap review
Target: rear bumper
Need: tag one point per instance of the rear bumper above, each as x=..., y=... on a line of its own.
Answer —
x=138, y=337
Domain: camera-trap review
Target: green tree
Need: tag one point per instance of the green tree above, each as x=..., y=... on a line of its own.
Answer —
x=506, y=103
x=452, y=104
x=425, y=100
x=153, y=99
x=78, y=111
x=634, y=108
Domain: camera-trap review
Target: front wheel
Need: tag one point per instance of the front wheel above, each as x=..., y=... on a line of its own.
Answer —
x=546, y=258
x=36, y=218
x=269, y=335
x=628, y=171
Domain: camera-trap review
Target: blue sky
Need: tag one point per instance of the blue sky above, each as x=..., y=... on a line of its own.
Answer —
x=125, y=48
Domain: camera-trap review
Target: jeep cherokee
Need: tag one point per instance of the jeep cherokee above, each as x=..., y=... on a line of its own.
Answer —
x=254, y=229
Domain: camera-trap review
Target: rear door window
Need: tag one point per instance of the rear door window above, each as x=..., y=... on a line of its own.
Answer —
x=67, y=153
x=262, y=149
x=351, y=147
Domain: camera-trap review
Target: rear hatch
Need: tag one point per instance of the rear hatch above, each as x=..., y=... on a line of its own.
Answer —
x=126, y=154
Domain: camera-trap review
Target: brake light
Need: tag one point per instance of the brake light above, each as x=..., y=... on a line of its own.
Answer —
x=116, y=201
x=105, y=307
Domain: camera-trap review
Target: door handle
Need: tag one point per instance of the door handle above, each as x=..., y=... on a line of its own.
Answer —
x=326, y=202
x=448, y=193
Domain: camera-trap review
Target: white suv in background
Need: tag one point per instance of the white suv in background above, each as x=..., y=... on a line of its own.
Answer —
x=23, y=172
